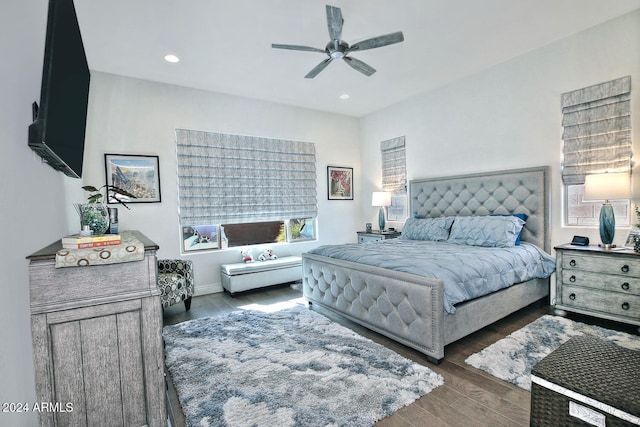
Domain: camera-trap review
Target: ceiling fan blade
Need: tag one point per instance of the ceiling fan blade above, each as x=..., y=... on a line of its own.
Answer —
x=379, y=41
x=334, y=21
x=358, y=65
x=316, y=70
x=297, y=47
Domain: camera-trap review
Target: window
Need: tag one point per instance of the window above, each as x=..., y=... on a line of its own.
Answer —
x=587, y=214
x=596, y=138
x=394, y=176
x=252, y=187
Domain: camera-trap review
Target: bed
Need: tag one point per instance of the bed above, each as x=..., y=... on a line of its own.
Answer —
x=410, y=308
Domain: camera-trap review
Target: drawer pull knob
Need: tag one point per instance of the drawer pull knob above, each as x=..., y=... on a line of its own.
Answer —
x=573, y=297
x=625, y=286
x=572, y=263
x=625, y=306
x=572, y=279
x=625, y=268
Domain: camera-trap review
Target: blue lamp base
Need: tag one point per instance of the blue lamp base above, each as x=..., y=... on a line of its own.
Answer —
x=381, y=222
x=607, y=225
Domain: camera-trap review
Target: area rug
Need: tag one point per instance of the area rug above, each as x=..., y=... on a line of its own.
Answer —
x=512, y=358
x=292, y=367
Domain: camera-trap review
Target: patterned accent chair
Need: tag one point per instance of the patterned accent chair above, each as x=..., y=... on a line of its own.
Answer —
x=175, y=281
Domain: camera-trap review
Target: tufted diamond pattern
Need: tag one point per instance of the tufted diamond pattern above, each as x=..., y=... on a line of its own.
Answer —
x=378, y=302
x=505, y=192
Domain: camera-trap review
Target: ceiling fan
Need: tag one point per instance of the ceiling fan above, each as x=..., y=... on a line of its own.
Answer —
x=339, y=49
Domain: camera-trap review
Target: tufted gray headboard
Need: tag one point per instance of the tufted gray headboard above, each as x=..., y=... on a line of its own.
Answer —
x=500, y=192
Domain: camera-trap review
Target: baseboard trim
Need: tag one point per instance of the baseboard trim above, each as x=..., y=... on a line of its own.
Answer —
x=211, y=288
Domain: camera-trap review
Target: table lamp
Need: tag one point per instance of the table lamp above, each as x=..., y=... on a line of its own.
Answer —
x=607, y=186
x=382, y=199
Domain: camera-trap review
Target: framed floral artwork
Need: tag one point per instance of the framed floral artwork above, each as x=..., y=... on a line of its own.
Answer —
x=339, y=183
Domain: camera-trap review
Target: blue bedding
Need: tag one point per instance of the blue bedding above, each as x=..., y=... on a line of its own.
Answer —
x=467, y=271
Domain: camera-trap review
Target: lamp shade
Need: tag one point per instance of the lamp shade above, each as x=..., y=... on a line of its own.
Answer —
x=381, y=198
x=607, y=186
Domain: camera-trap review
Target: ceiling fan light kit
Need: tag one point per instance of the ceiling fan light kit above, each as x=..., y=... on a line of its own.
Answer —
x=339, y=49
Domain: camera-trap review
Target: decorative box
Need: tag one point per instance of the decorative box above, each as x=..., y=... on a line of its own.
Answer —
x=586, y=381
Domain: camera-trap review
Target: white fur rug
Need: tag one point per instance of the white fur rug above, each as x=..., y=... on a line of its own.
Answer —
x=292, y=367
x=512, y=358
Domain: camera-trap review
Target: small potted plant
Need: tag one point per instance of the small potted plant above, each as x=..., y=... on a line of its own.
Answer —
x=94, y=214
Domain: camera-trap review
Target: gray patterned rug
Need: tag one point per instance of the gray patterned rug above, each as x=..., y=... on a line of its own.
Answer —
x=287, y=368
x=512, y=358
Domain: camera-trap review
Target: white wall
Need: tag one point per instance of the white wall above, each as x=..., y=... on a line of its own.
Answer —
x=508, y=116
x=130, y=116
x=32, y=197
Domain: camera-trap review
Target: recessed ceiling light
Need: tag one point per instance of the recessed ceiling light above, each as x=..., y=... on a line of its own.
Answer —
x=171, y=58
x=345, y=96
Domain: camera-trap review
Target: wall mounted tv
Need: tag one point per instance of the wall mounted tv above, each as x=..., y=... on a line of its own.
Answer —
x=59, y=122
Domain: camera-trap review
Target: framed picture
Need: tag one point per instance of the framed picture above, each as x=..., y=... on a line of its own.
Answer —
x=398, y=209
x=200, y=237
x=631, y=238
x=339, y=183
x=139, y=175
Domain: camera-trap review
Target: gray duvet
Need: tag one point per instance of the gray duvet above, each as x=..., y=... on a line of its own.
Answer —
x=467, y=271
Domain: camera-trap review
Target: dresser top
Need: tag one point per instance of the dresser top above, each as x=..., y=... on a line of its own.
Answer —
x=49, y=252
x=598, y=249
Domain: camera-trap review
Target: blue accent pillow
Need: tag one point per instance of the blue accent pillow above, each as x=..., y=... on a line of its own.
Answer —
x=434, y=229
x=522, y=216
x=488, y=231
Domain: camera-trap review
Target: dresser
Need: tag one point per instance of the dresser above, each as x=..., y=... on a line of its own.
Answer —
x=97, y=341
x=598, y=282
x=374, y=236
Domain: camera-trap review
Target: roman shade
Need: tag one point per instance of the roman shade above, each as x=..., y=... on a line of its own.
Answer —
x=231, y=179
x=394, y=165
x=596, y=130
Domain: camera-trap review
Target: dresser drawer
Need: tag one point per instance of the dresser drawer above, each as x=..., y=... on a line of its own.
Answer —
x=607, y=282
x=619, y=264
x=369, y=239
x=615, y=303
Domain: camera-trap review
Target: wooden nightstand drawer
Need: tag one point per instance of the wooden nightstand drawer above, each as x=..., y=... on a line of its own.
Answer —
x=375, y=236
x=613, y=283
x=607, y=302
x=601, y=264
x=598, y=282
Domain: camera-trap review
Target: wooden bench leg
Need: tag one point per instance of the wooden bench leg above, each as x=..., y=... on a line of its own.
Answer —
x=187, y=304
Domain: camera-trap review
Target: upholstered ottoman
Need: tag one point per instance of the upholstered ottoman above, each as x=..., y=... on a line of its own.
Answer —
x=586, y=381
x=242, y=276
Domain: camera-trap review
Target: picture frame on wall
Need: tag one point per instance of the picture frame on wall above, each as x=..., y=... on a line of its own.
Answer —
x=200, y=237
x=136, y=174
x=339, y=183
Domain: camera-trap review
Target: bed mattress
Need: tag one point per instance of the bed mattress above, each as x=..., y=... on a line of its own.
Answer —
x=466, y=271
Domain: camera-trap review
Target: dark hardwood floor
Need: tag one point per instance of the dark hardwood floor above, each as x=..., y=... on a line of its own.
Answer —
x=469, y=397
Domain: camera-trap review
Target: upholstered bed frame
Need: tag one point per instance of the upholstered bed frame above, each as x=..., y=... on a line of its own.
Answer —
x=409, y=308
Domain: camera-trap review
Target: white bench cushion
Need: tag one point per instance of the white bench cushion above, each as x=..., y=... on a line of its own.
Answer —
x=241, y=276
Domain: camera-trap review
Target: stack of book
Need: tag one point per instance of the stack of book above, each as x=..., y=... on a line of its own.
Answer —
x=76, y=241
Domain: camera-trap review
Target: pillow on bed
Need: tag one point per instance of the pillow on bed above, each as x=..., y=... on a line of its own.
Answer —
x=436, y=229
x=522, y=216
x=489, y=231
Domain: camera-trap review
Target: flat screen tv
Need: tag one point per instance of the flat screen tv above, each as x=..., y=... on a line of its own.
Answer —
x=59, y=122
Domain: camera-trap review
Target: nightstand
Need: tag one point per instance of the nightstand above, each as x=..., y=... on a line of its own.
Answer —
x=598, y=282
x=374, y=236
